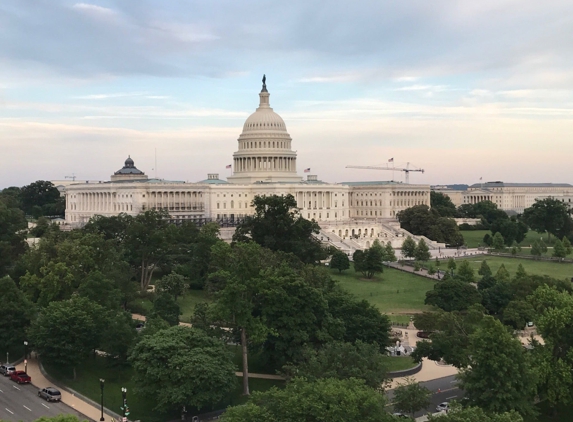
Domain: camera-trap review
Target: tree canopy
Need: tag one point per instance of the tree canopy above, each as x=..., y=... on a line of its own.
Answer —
x=549, y=215
x=324, y=400
x=183, y=366
x=277, y=225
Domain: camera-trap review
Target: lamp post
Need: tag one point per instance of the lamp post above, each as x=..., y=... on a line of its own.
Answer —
x=25, y=357
x=101, y=383
x=124, y=408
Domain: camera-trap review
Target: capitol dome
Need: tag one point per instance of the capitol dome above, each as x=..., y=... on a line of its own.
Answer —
x=265, y=153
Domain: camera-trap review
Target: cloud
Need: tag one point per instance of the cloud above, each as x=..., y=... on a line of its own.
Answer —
x=94, y=10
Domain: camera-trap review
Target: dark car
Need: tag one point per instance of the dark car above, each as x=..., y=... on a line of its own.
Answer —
x=20, y=377
x=50, y=394
x=6, y=370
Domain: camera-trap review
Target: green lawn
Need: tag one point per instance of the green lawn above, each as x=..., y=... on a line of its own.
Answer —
x=474, y=238
x=188, y=301
x=552, y=269
x=399, y=363
x=393, y=292
x=87, y=383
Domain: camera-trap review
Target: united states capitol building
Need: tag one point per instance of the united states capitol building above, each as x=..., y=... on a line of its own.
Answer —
x=351, y=215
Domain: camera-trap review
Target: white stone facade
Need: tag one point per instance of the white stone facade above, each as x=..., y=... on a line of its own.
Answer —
x=264, y=164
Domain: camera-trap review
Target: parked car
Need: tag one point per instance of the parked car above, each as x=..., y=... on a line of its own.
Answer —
x=401, y=415
x=6, y=370
x=50, y=394
x=20, y=377
x=443, y=407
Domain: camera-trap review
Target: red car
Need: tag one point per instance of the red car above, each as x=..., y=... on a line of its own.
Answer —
x=20, y=377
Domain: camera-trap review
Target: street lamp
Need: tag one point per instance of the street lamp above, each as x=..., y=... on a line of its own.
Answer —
x=124, y=408
x=101, y=383
x=25, y=357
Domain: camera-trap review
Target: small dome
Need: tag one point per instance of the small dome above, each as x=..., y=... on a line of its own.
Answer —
x=129, y=162
x=129, y=168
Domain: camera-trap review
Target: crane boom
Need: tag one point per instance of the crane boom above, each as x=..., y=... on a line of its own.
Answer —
x=406, y=170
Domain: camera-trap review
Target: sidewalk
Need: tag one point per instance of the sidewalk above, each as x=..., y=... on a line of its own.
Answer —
x=70, y=399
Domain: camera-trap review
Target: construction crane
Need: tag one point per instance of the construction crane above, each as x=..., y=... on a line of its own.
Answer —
x=406, y=170
x=73, y=177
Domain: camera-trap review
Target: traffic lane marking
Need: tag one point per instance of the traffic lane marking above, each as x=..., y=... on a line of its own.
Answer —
x=449, y=398
x=26, y=407
x=16, y=387
x=9, y=410
x=47, y=407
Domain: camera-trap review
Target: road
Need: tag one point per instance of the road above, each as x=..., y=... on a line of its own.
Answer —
x=443, y=389
x=21, y=403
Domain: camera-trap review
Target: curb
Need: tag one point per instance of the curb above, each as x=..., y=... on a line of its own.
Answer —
x=406, y=372
x=75, y=393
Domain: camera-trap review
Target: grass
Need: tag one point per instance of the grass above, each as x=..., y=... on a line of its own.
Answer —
x=552, y=269
x=396, y=293
x=188, y=301
x=87, y=383
x=474, y=238
x=399, y=363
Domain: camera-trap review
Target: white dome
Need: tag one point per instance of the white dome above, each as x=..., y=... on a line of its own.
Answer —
x=264, y=119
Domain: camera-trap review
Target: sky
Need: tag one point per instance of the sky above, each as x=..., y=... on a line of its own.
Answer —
x=462, y=89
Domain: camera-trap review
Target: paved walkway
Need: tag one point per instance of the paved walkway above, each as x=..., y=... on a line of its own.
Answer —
x=71, y=400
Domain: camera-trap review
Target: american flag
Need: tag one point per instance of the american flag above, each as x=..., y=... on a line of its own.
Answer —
x=307, y=170
x=228, y=167
x=391, y=160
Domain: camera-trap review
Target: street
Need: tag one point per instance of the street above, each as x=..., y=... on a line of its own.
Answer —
x=443, y=389
x=21, y=403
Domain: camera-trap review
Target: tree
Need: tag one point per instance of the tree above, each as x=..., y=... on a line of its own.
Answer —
x=499, y=377
x=466, y=272
x=373, y=260
x=511, y=230
x=389, y=254
x=358, y=319
x=323, y=400
x=342, y=361
x=567, y=245
x=442, y=204
x=559, y=250
x=487, y=239
x=422, y=251
x=408, y=247
x=369, y=261
x=15, y=314
x=497, y=297
x=418, y=219
x=554, y=358
x=452, y=265
x=173, y=283
x=278, y=226
x=118, y=337
x=452, y=295
x=12, y=244
x=410, y=397
x=183, y=366
x=237, y=300
x=484, y=269
x=498, y=243
x=536, y=249
x=339, y=261
x=548, y=215
x=42, y=198
x=66, y=332
x=165, y=307
x=451, y=336
x=475, y=414
x=517, y=313
x=502, y=274
x=148, y=242
x=520, y=273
